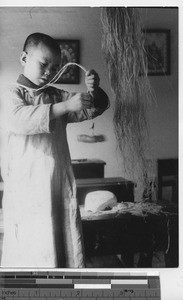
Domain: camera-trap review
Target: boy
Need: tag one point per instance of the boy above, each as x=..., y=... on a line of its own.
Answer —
x=42, y=226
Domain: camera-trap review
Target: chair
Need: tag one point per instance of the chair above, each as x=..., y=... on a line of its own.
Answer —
x=168, y=178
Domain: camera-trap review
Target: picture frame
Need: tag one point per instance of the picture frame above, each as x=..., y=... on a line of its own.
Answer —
x=70, y=52
x=157, y=45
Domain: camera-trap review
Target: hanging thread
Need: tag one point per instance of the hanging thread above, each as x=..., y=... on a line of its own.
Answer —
x=59, y=74
x=126, y=61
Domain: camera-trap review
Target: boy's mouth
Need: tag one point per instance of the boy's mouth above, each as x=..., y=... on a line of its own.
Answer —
x=43, y=79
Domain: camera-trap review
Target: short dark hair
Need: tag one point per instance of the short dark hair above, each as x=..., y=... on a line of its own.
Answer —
x=36, y=38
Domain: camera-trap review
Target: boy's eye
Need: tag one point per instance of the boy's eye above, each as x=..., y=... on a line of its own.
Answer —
x=54, y=69
x=43, y=64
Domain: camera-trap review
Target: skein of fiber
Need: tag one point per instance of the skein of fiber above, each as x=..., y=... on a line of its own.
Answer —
x=125, y=57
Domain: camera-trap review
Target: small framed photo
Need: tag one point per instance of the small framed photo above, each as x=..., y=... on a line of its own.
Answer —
x=157, y=45
x=70, y=51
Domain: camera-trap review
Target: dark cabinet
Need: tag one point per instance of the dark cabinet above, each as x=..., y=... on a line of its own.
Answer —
x=88, y=168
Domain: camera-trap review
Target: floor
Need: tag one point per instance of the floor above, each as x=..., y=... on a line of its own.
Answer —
x=108, y=261
x=116, y=262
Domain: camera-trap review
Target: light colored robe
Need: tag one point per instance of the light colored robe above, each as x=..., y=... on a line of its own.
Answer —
x=42, y=225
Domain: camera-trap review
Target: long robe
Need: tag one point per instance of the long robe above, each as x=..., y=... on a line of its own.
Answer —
x=42, y=224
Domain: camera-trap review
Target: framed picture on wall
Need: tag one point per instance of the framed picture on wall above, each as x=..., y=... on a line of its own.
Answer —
x=157, y=45
x=70, y=51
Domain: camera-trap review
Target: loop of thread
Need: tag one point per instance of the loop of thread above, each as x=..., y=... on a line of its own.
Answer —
x=59, y=74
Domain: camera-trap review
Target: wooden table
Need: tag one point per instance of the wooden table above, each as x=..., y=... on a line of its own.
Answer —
x=129, y=234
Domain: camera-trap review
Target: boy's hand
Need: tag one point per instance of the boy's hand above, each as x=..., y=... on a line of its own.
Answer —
x=79, y=101
x=92, y=80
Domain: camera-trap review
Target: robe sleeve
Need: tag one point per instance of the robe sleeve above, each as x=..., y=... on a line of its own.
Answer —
x=20, y=117
x=101, y=103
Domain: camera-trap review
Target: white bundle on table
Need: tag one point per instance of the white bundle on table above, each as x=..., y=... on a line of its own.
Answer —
x=100, y=201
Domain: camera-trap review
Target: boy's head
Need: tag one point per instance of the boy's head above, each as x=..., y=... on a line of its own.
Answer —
x=40, y=58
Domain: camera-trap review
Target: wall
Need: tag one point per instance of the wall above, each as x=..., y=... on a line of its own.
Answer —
x=165, y=125
x=83, y=23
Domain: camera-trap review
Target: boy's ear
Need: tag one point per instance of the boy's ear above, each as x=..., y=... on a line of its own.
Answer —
x=23, y=58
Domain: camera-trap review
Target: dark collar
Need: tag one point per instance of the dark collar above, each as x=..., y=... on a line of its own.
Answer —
x=25, y=81
x=29, y=84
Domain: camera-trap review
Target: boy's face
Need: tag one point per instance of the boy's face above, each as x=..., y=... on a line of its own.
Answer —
x=40, y=64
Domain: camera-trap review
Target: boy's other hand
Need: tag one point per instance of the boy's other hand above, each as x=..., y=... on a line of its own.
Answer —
x=92, y=80
x=79, y=101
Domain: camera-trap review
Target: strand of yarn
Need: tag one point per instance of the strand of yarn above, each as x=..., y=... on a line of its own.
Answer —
x=59, y=74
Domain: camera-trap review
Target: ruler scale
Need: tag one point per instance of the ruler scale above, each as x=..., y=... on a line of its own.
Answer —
x=79, y=285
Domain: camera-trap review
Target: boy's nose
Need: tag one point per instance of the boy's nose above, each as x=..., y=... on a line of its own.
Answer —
x=47, y=72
